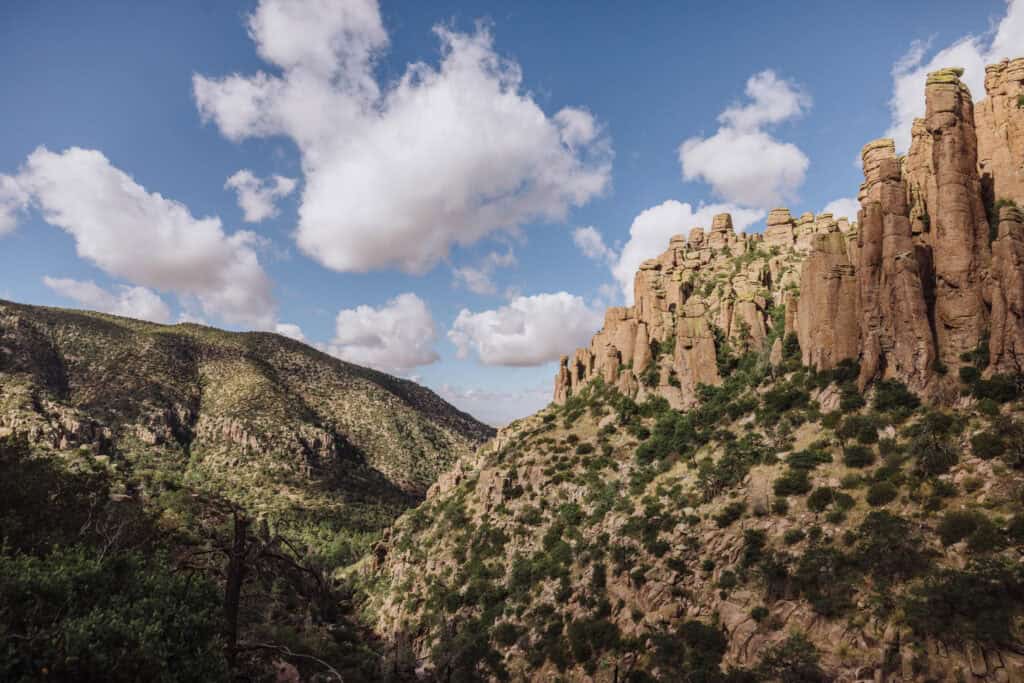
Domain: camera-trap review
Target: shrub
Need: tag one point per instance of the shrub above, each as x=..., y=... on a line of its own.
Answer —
x=893, y=395
x=823, y=575
x=881, y=493
x=999, y=388
x=730, y=513
x=588, y=638
x=977, y=603
x=793, y=482
x=987, y=445
x=858, y=456
x=727, y=580
x=981, y=533
x=793, y=536
x=759, y=613
x=780, y=506
x=863, y=428
x=808, y=459
x=584, y=448
x=888, y=547
x=794, y=660
x=821, y=498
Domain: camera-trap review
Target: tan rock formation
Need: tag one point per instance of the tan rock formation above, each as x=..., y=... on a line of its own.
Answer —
x=897, y=339
x=1006, y=345
x=942, y=169
x=828, y=315
x=1000, y=127
x=779, y=228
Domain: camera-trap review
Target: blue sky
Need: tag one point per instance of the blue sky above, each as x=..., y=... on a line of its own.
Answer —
x=424, y=221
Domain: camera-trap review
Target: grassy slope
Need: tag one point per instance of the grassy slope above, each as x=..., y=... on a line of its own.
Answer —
x=604, y=535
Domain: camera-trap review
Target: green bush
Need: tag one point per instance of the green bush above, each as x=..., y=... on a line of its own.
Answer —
x=793, y=536
x=987, y=445
x=730, y=513
x=999, y=388
x=893, y=396
x=793, y=482
x=978, y=603
x=795, y=660
x=821, y=498
x=858, y=456
x=889, y=547
x=881, y=493
x=981, y=533
x=584, y=448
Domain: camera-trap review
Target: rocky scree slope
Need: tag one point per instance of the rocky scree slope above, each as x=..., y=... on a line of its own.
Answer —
x=264, y=420
x=798, y=456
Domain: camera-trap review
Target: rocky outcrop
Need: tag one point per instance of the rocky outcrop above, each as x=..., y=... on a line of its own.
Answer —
x=1000, y=127
x=828, y=315
x=1006, y=345
x=942, y=171
x=896, y=336
x=909, y=290
x=665, y=343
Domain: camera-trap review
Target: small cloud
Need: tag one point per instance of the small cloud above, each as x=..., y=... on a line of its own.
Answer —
x=478, y=279
x=396, y=337
x=590, y=242
x=131, y=302
x=257, y=196
x=290, y=330
x=844, y=207
x=528, y=331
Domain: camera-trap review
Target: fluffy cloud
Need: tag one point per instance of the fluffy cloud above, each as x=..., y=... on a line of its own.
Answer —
x=971, y=52
x=147, y=239
x=13, y=198
x=478, y=279
x=592, y=245
x=131, y=302
x=844, y=206
x=257, y=196
x=395, y=175
x=396, y=337
x=529, y=330
x=651, y=230
x=743, y=163
x=496, y=408
x=290, y=330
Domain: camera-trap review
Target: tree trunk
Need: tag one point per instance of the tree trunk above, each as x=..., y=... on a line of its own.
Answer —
x=233, y=586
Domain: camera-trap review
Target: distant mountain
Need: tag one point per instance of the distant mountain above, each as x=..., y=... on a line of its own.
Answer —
x=265, y=420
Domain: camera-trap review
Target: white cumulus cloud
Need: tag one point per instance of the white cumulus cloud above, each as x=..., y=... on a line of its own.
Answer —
x=13, y=199
x=396, y=337
x=478, y=279
x=654, y=227
x=529, y=330
x=844, y=206
x=131, y=302
x=496, y=408
x=972, y=53
x=395, y=174
x=290, y=330
x=743, y=163
x=147, y=239
x=590, y=242
x=257, y=197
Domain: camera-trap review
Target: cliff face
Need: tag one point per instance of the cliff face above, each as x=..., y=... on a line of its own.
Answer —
x=927, y=276
x=1000, y=123
x=708, y=290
